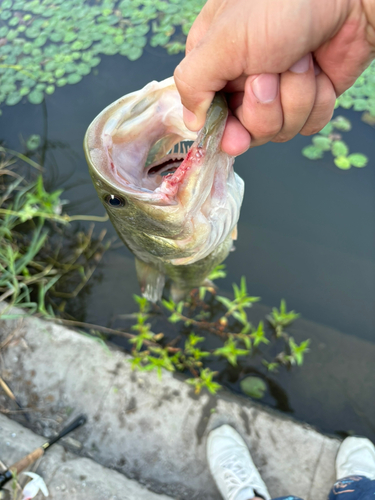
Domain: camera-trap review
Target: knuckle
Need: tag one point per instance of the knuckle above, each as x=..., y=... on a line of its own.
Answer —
x=282, y=137
x=267, y=130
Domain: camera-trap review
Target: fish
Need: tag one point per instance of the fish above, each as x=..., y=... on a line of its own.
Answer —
x=171, y=194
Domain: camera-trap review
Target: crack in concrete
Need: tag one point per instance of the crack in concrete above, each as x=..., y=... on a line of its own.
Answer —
x=315, y=470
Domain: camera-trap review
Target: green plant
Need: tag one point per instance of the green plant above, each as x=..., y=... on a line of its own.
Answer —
x=238, y=337
x=48, y=44
x=359, y=97
x=329, y=140
x=42, y=266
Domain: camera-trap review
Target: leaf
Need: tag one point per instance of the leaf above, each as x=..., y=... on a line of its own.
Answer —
x=339, y=148
x=358, y=160
x=33, y=142
x=345, y=101
x=225, y=301
x=323, y=143
x=312, y=153
x=13, y=98
x=254, y=387
x=36, y=97
x=342, y=123
x=327, y=129
x=342, y=162
x=360, y=105
x=74, y=78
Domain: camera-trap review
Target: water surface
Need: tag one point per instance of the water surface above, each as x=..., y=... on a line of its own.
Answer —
x=306, y=234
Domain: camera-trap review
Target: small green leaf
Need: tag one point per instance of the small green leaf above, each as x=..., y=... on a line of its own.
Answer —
x=342, y=123
x=360, y=105
x=312, y=153
x=36, y=97
x=323, y=143
x=254, y=387
x=339, y=148
x=13, y=98
x=358, y=160
x=74, y=78
x=342, y=162
x=327, y=129
x=345, y=101
x=33, y=142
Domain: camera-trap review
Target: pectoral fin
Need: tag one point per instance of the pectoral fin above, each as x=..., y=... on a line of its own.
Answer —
x=151, y=280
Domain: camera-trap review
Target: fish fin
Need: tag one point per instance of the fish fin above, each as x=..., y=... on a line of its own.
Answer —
x=234, y=233
x=151, y=280
x=209, y=284
x=178, y=293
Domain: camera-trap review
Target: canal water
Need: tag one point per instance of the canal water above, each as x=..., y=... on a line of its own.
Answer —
x=306, y=234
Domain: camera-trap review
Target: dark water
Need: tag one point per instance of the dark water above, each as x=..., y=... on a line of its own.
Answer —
x=306, y=234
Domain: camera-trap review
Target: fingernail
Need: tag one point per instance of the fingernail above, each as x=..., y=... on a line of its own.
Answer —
x=266, y=87
x=317, y=69
x=190, y=119
x=302, y=65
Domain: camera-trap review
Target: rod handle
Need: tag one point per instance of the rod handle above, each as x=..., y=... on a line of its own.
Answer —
x=26, y=461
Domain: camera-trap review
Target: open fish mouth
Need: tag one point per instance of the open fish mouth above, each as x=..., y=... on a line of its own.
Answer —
x=166, y=166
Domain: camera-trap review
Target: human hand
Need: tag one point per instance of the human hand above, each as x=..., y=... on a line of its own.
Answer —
x=281, y=63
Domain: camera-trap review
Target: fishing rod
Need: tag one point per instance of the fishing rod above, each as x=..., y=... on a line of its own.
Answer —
x=38, y=452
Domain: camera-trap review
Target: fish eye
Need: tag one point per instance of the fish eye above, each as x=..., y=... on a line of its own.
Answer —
x=114, y=201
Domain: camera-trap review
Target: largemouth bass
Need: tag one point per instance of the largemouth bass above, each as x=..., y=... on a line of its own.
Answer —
x=175, y=207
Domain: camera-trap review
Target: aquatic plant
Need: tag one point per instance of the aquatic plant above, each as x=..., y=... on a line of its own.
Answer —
x=359, y=97
x=329, y=140
x=229, y=323
x=43, y=262
x=46, y=44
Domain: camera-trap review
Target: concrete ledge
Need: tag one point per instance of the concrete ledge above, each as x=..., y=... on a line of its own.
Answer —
x=66, y=475
x=151, y=430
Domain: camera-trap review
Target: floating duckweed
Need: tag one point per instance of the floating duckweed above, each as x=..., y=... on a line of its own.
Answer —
x=13, y=98
x=59, y=72
x=24, y=91
x=323, y=143
x=33, y=142
x=61, y=82
x=55, y=42
x=74, y=78
x=50, y=89
x=339, y=148
x=329, y=140
x=36, y=97
x=358, y=160
x=6, y=14
x=14, y=21
x=342, y=162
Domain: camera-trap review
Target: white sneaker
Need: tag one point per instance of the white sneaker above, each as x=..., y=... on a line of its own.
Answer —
x=356, y=457
x=232, y=467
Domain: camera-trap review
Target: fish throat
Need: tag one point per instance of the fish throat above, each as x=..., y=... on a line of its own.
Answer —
x=169, y=164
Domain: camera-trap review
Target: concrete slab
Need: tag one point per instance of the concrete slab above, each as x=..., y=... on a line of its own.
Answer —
x=151, y=430
x=66, y=475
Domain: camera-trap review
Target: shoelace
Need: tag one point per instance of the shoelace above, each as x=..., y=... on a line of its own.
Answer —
x=235, y=474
